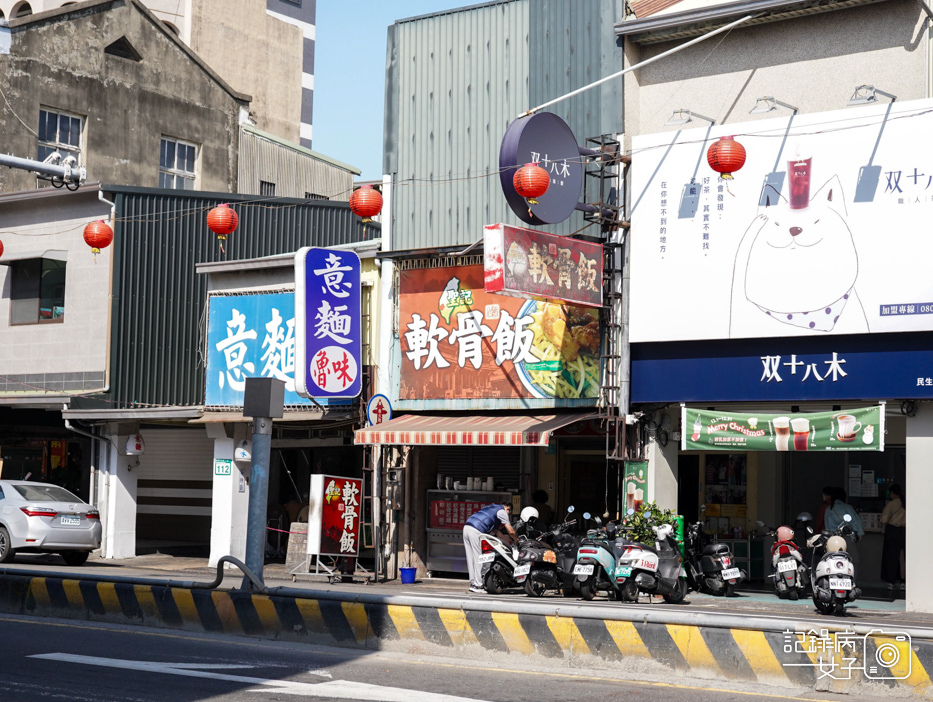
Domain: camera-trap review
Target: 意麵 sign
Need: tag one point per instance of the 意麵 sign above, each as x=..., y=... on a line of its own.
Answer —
x=334, y=514
x=528, y=263
x=328, y=340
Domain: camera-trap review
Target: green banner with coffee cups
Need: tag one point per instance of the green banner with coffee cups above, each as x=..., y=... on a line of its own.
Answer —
x=846, y=430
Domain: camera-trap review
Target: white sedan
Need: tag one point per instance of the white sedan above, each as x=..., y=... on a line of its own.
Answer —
x=41, y=517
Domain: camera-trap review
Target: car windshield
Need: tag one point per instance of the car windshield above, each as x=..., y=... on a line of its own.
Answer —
x=46, y=493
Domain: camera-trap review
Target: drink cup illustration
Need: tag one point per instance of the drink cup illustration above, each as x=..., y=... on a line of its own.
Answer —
x=697, y=428
x=630, y=496
x=848, y=426
x=781, y=433
x=801, y=429
x=798, y=172
x=639, y=498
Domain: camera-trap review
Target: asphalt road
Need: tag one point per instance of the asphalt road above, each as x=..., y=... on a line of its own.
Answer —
x=59, y=660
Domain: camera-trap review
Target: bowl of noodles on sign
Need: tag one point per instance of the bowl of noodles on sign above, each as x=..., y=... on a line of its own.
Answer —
x=566, y=351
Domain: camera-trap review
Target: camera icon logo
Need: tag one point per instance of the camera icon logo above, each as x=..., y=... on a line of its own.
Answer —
x=887, y=655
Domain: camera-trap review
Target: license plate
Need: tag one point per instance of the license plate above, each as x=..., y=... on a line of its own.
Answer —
x=784, y=566
x=583, y=570
x=71, y=521
x=624, y=572
x=487, y=558
x=840, y=584
x=731, y=574
x=522, y=570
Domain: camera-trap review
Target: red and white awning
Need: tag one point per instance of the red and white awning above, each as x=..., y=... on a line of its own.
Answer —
x=424, y=430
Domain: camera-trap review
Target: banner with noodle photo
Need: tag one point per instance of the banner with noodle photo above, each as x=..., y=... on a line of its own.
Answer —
x=459, y=342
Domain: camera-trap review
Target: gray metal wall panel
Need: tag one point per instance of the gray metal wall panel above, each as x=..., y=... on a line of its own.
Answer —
x=456, y=80
x=293, y=172
x=159, y=299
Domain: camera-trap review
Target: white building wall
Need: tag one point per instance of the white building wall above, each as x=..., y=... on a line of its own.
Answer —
x=918, y=493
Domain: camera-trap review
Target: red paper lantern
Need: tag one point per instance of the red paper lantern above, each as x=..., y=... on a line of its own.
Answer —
x=531, y=182
x=366, y=202
x=222, y=220
x=98, y=235
x=1, y=248
x=726, y=156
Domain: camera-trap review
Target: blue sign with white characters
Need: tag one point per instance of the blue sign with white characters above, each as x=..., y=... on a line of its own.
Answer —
x=328, y=323
x=851, y=367
x=250, y=336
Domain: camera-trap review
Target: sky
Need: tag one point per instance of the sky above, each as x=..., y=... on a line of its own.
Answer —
x=349, y=76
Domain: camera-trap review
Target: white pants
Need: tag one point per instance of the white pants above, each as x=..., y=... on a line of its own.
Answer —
x=471, y=544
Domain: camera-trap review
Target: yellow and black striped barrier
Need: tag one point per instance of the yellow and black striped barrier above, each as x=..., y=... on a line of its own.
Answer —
x=795, y=658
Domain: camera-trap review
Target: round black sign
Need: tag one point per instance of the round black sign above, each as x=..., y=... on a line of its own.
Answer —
x=547, y=140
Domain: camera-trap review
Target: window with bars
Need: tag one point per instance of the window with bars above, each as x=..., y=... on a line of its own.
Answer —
x=61, y=132
x=266, y=189
x=178, y=164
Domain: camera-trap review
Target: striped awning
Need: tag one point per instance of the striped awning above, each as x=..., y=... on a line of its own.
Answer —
x=426, y=430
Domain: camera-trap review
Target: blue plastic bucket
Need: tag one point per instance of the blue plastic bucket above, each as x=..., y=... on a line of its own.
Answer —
x=408, y=575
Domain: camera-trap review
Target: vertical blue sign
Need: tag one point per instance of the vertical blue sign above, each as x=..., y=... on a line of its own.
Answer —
x=328, y=323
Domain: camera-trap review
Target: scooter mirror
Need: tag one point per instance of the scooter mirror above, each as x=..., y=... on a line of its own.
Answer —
x=847, y=517
x=759, y=523
x=570, y=509
x=630, y=511
x=702, y=508
x=586, y=515
x=804, y=517
x=647, y=515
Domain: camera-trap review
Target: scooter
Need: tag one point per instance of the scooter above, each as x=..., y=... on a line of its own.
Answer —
x=597, y=555
x=499, y=560
x=710, y=566
x=833, y=575
x=548, y=561
x=788, y=570
x=653, y=570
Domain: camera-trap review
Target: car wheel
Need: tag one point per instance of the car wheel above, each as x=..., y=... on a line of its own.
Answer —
x=75, y=558
x=6, y=548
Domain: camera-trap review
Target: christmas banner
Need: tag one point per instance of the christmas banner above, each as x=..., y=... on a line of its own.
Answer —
x=846, y=430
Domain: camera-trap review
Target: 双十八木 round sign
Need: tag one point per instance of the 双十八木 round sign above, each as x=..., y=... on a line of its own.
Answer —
x=547, y=140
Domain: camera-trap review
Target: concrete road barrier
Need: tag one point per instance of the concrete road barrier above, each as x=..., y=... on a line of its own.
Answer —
x=772, y=651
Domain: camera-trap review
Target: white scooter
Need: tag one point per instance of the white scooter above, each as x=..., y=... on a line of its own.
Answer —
x=833, y=576
x=499, y=560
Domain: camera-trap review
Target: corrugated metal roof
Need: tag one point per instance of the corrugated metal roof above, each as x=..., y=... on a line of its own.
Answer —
x=456, y=80
x=159, y=299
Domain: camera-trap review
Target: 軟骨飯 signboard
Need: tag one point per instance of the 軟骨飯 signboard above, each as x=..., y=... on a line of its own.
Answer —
x=334, y=516
x=846, y=430
x=460, y=342
x=528, y=263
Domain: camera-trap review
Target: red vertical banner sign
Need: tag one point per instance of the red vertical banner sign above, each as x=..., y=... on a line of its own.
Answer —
x=335, y=512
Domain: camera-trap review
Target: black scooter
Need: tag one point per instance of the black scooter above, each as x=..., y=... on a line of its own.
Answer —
x=549, y=560
x=710, y=566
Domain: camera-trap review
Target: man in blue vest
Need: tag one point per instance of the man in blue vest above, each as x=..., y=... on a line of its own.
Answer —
x=485, y=521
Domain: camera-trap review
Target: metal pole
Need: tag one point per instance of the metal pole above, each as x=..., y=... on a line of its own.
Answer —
x=644, y=63
x=377, y=511
x=258, y=497
x=68, y=174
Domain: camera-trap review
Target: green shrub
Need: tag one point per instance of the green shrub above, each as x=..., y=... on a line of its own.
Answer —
x=641, y=526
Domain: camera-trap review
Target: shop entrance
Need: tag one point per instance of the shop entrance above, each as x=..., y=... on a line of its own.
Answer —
x=589, y=486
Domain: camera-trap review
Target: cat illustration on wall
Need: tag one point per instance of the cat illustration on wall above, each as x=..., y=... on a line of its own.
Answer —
x=797, y=265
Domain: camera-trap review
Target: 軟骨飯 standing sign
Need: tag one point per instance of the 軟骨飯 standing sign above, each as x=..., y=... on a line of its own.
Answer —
x=846, y=430
x=334, y=516
x=328, y=317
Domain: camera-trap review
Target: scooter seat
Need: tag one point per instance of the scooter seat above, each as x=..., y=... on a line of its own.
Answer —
x=716, y=550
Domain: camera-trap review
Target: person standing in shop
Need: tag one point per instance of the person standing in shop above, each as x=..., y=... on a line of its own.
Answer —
x=834, y=519
x=894, y=526
x=820, y=523
x=485, y=521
